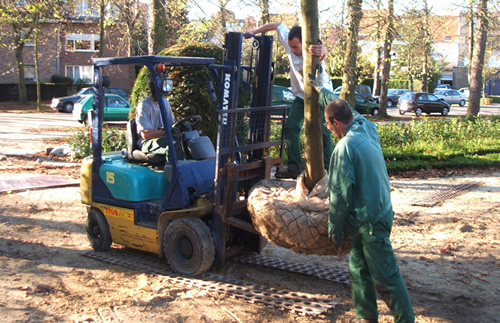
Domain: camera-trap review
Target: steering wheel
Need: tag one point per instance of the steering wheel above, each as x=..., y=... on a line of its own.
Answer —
x=186, y=124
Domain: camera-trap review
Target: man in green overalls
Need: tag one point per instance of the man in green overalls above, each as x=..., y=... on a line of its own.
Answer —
x=361, y=209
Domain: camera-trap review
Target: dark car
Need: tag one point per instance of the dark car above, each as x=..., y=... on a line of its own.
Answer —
x=363, y=106
x=65, y=103
x=392, y=96
x=422, y=102
x=363, y=90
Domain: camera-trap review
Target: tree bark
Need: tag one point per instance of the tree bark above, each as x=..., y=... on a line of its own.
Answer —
x=157, y=32
x=471, y=38
x=386, y=68
x=349, y=79
x=37, y=72
x=427, y=49
x=102, y=7
x=315, y=168
x=478, y=60
x=264, y=12
x=21, y=85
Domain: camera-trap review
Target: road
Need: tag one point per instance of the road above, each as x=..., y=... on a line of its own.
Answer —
x=28, y=131
x=24, y=132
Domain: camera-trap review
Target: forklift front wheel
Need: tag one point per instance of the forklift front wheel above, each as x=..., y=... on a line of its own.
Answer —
x=98, y=231
x=189, y=246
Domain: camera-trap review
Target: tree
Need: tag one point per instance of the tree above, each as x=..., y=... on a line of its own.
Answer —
x=410, y=47
x=22, y=18
x=389, y=35
x=477, y=65
x=264, y=12
x=315, y=169
x=378, y=63
x=157, y=34
x=349, y=80
x=130, y=15
x=427, y=48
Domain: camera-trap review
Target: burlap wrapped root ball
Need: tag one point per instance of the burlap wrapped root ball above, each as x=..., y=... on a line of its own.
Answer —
x=288, y=215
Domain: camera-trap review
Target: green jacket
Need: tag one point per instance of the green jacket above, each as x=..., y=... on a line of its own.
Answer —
x=360, y=192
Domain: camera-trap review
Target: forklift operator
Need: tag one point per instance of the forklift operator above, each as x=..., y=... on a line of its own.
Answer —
x=150, y=126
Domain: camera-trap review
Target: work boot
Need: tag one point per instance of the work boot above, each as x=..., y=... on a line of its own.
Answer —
x=317, y=85
x=289, y=173
x=356, y=320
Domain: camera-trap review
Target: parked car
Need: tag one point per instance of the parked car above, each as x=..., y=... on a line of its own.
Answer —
x=392, y=96
x=65, y=103
x=116, y=108
x=452, y=97
x=465, y=91
x=282, y=95
x=442, y=87
x=363, y=106
x=363, y=90
x=422, y=102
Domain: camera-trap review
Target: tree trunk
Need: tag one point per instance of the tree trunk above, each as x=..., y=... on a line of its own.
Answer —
x=264, y=12
x=471, y=38
x=37, y=73
x=349, y=78
x=427, y=49
x=476, y=81
x=386, y=69
x=376, y=73
x=102, y=7
x=21, y=85
x=315, y=168
x=157, y=31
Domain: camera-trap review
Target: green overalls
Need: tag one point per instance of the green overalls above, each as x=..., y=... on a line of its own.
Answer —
x=361, y=208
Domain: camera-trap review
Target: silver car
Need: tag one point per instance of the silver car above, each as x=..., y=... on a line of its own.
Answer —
x=452, y=97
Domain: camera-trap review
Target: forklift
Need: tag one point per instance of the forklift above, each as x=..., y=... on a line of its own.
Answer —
x=190, y=208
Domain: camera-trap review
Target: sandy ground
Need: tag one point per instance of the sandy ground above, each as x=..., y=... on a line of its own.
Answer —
x=448, y=254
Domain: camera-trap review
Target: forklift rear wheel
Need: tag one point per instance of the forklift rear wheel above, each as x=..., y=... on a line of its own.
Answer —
x=98, y=231
x=189, y=246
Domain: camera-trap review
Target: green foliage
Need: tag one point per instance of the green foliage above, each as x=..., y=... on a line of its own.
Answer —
x=441, y=144
x=494, y=98
x=190, y=94
x=61, y=79
x=112, y=140
x=282, y=80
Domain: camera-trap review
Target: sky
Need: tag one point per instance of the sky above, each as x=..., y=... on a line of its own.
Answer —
x=205, y=8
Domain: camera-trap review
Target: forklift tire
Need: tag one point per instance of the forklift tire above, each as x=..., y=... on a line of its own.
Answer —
x=189, y=246
x=98, y=231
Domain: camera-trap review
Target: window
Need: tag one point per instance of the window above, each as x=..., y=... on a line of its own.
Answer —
x=29, y=72
x=79, y=73
x=82, y=43
x=29, y=40
x=82, y=9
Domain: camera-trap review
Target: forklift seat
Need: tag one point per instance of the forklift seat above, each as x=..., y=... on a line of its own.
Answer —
x=134, y=154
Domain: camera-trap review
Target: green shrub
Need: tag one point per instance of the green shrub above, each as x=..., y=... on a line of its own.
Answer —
x=457, y=142
x=282, y=80
x=494, y=98
x=61, y=79
x=112, y=140
x=190, y=94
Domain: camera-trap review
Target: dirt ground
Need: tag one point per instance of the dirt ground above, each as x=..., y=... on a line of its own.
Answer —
x=448, y=254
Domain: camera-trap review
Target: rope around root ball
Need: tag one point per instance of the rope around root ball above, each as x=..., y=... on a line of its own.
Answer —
x=288, y=215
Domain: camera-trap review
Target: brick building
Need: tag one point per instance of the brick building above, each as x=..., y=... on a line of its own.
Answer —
x=66, y=47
